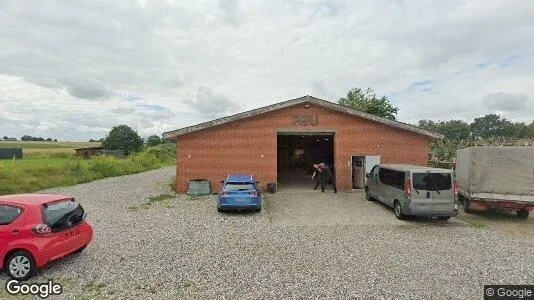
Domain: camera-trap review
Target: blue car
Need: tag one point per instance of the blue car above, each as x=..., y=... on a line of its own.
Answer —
x=239, y=192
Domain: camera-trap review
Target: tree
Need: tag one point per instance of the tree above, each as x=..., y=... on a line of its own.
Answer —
x=529, y=131
x=453, y=129
x=153, y=140
x=27, y=138
x=367, y=101
x=5, y=138
x=48, y=139
x=519, y=130
x=123, y=137
x=490, y=125
x=428, y=125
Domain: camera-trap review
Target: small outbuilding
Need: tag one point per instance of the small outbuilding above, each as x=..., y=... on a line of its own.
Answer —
x=88, y=152
x=279, y=143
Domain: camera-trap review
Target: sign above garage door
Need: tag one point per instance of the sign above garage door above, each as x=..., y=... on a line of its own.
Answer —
x=306, y=120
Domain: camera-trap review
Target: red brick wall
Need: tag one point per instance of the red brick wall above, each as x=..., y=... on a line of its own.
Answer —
x=249, y=146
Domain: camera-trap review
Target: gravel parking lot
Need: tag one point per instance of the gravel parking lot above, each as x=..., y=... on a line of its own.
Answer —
x=304, y=244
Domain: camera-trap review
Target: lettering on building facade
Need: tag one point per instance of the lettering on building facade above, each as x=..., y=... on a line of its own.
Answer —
x=306, y=120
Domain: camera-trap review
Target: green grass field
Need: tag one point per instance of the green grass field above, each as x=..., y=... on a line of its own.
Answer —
x=46, y=145
x=33, y=149
x=34, y=173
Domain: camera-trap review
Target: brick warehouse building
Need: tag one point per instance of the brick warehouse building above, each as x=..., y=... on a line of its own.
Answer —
x=276, y=141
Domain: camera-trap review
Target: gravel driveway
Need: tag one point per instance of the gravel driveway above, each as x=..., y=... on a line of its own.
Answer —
x=304, y=244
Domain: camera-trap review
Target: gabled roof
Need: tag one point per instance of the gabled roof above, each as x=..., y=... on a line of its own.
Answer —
x=305, y=99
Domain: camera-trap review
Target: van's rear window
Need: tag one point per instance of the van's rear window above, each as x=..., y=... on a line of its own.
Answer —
x=432, y=181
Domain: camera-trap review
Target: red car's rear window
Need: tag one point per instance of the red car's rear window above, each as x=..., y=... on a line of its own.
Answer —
x=62, y=215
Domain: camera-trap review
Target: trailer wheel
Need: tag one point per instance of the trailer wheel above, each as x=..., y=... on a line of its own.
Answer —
x=461, y=199
x=523, y=213
x=467, y=206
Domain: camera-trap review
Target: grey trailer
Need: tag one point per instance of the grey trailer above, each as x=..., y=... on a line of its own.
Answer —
x=496, y=178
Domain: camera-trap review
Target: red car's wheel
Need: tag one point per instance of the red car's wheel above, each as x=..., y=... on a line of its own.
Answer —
x=20, y=265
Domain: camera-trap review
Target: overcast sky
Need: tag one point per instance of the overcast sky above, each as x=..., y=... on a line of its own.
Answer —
x=72, y=69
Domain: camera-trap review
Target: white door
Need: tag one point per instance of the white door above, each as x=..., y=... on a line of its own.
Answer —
x=370, y=162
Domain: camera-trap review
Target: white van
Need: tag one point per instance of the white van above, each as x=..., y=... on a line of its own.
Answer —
x=414, y=190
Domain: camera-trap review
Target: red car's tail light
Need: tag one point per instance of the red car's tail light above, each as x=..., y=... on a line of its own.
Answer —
x=41, y=229
x=408, y=188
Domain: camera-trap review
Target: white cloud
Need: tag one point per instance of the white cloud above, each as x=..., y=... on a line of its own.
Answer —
x=505, y=101
x=71, y=69
x=208, y=103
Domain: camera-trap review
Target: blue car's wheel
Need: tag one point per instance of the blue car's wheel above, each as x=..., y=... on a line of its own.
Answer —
x=219, y=209
x=257, y=209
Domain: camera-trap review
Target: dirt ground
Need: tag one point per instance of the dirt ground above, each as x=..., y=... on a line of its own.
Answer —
x=502, y=220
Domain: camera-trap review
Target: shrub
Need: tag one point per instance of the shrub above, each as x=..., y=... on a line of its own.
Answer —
x=104, y=165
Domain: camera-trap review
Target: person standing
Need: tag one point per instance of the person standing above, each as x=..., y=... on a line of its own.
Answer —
x=328, y=176
x=318, y=175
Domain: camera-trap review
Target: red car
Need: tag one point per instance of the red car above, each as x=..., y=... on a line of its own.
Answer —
x=38, y=228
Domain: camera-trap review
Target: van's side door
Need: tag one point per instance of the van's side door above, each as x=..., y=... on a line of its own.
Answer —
x=374, y=183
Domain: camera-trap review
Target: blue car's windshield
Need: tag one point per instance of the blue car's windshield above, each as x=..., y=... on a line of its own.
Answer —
x=238, y=186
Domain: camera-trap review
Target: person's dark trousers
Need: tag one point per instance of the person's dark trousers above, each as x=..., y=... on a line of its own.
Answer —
x=328, y=178
x=318, y=180
x=334, y=183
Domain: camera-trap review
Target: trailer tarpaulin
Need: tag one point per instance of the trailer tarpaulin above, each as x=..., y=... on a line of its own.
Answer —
x=497, y=172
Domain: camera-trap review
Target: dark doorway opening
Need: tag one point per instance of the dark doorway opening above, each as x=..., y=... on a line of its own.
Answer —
x=358, y=172
x=297, y=152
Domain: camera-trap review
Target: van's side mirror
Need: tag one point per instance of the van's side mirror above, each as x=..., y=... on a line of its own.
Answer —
x=368, y=175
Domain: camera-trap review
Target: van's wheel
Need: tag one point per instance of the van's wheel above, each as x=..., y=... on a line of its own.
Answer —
x=368, y=195
x=20, y=265
x=467, y=206
x=523, y=213
x=398, y=211
x=443, y=218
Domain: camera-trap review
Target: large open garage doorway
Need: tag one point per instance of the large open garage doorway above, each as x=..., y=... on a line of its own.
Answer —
x=297, y=152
